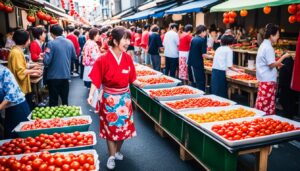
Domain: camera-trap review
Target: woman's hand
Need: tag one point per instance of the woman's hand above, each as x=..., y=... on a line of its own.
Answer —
x=90, y=100
x=139, y=84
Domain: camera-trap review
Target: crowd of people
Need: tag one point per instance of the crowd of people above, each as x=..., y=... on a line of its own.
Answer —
x=103, y=57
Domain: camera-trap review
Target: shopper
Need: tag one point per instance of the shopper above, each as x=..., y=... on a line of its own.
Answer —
x=90, y=54
x=9, y=38
x=74, y=39
x=58, y=56
x=223, y=60
x=195, y=58
x=39, y=35
x=184, y=48
x=144, y=44
x=155, y=45
x=18, y=65
x=171, y=42
x=13, y=101
x=81, y=41
x=162, y=34
x=114, y=71
x=137, y=45
x=266, y=72
x=287, y=96
x=212, y=38
x=130, y=49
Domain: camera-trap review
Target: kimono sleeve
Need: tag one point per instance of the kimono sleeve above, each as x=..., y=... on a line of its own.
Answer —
x=97, y=72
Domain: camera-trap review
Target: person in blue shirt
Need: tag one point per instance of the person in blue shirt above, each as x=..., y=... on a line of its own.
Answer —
x=195, y=58
x=82, y=41
x=155, y=45
x=13, y=101
x=58, y=56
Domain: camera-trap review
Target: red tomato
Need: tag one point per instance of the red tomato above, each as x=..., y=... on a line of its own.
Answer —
x=75, y=165
x=66, y=167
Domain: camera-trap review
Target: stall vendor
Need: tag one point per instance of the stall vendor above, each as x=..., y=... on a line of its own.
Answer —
x=266, y=72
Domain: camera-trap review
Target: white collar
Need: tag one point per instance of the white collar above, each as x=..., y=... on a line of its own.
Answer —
x=115, y=56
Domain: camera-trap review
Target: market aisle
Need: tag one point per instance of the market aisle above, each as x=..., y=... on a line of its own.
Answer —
x=146, y=152
x=149, y=152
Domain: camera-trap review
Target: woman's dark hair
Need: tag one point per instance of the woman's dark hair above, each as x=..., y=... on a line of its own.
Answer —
x=139, y=30
x=77, y=32
x=37, y=32
x=227, y=40
x=271, y=29
x=200, y=29
x=174, y=25
x=20, y=37
x=188, y=28
x=93, y=33
x=56, y=29
x=146, y=26
x=103, y=30
x=117, y=34
x=71, y=28
x=133, y=28
x=155, y=28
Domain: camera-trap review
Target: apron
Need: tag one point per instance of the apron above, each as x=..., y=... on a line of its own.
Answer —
x=219, y=83
x=265, y=100
x=116, y=119
x=183, y=68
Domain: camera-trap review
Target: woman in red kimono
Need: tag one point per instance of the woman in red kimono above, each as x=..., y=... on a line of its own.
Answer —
x=36, y=45
x=115, y=71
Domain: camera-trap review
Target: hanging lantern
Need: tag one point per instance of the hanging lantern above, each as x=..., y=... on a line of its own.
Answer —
x=267, y=9
x=292, y=19
x=292, y=9
x=243, y=13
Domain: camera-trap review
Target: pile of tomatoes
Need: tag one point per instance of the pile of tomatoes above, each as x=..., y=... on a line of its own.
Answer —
x=53, y=123
x=171, y=92
x=255, y=128
x=49, y=162
x=196, y=103
x=140, y=73
x=221, y=115
x=155, y=80
x=45, y=142
x=245, y=77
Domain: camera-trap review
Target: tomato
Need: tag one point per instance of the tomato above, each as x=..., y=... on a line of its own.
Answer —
x=51, y=168
x=59, y=161
x=16, y=165
x=86, y=166
x=31, y=18
x=66, y=167
x=41, y=15
x=92, y=167
x=75, y=165
x=28, y=168
x=90, y=160
x=51, y=161
x=43, y=167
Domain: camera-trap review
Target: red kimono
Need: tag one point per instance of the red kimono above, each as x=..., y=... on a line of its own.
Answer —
x=116, y=120
x=184, y=48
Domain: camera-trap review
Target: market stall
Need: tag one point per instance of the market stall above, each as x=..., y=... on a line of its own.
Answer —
x=197, y=140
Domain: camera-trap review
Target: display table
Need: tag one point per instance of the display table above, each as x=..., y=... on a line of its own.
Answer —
x=196, y=143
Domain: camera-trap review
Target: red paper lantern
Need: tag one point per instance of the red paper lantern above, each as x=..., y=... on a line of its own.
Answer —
x=243, y=13
x=267, y=10
x=292, y=19
x=292, y=9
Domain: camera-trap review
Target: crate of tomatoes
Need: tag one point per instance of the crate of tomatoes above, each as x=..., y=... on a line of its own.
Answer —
x=197, y=103
x=216, y=114
x=57, y=142
x=43, y=161
x=174, y=93
x=244, y=131
x=158, y=81
x=50, y=126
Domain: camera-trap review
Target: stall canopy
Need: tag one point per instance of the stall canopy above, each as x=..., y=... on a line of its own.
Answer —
x=237, y=5
x=156, y=12
x=123, y=13
x=195, y=6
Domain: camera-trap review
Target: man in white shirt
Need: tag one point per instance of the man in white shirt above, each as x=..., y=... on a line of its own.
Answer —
x=171, y=42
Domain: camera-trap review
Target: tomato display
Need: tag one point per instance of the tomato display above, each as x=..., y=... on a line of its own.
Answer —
x=155, y=80
x=145, y=73
x=196, y=103
x=46, y=161
x=53, y=123
x=249, y=129
x=244, y=77
x=55, y=112
x=221, y=115
x=171, y=92
x=45, y=142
